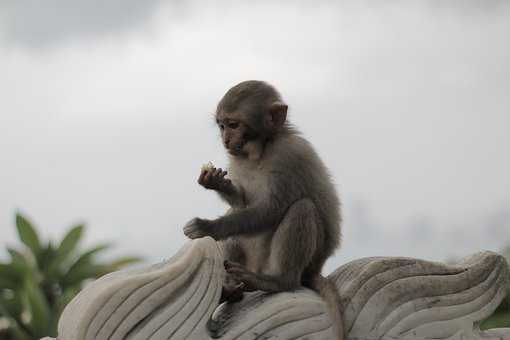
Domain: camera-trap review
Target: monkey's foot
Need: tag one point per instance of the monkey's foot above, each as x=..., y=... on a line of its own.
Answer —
x=241, y=274
x=232, y=293
x=383, y=298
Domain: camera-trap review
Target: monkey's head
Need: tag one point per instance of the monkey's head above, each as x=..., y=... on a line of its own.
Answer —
x=249, y=115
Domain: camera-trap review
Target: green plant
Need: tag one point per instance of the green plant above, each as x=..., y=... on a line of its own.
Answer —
x=41, y=278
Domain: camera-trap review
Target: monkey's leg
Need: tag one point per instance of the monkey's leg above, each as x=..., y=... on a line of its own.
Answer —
x=232, y=251
x=292, y=248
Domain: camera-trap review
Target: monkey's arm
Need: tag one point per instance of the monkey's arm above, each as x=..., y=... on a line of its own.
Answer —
x=214, y=179
x=264, y=214
x=232, y=195
x=253, y=219
x=260, y=216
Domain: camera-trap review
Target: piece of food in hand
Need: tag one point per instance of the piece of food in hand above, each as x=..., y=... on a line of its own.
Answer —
x=207, y=167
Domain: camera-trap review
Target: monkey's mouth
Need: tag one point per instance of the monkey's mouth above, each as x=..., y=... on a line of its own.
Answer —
x=235, y=151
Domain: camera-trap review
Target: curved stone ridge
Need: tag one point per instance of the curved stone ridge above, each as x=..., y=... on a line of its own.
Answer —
x=407, y=298
x=171, y=300
x=297, y=315
x=384, y=298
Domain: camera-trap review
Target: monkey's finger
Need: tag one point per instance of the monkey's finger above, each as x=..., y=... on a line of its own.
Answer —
x=223, y=174
x=208, y=175
x=201, y=177
x=244, y=278
x=233, y=270
x=236, y=270
x=228, y=264
x=190, y=229
x=193, y=234
x=217, y=172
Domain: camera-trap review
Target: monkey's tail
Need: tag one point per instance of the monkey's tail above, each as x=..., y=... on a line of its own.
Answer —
x=329, y=293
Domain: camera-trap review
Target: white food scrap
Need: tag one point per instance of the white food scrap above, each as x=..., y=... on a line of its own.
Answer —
x=207, y=166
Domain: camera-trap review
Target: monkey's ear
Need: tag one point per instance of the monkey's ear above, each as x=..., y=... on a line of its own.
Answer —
x=277, y=115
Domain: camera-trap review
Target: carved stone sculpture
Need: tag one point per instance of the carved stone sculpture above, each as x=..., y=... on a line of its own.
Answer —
x=383, y=298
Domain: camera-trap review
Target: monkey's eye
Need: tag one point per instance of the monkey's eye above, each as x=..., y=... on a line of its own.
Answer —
x=233, y=125
x=222, y=127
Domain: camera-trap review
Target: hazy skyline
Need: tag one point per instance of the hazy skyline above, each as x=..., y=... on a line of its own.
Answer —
x=105, y=115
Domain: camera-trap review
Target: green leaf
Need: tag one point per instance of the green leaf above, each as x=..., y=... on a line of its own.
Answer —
x=9, y=276
x=5, y=283
x=68, y=244
x=70, y=241
x=19, y=263
x=12, y=303
x=17, y=257
x=39, y=309
x=27, y=234
x=46, y=258
x=62, y=300
x=19, y=333
x=16, y=327
x=89, y=254
x=117, y=265
x=85, y=271
x=82, y=268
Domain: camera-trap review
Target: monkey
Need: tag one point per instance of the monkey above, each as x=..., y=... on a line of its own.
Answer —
x=284, y=218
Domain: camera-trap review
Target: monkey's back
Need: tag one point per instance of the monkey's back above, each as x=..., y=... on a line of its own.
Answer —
x=306, y=176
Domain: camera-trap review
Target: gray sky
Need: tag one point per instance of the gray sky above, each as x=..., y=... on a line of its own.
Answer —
x=105, y=115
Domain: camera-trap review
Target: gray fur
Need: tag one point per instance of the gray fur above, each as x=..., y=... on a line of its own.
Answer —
x=284, y=220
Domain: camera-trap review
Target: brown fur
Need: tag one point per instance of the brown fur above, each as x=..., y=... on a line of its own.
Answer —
x=284, y=220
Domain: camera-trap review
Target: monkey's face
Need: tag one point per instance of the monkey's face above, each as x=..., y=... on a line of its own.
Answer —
x=239, y=139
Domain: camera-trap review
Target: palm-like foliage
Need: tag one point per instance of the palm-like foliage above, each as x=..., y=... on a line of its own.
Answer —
x=41, y=278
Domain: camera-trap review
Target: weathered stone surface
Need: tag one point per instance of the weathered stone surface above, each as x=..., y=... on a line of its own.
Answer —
x=384, y=298
x=388, y=298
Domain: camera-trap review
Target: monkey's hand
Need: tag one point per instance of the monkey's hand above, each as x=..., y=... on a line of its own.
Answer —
x=214, y=179
x=197, y=228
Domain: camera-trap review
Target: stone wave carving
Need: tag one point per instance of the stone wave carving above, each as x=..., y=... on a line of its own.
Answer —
x=404, y=298
x=383, y=298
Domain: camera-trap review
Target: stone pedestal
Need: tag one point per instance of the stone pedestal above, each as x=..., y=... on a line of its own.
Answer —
x=383, y=298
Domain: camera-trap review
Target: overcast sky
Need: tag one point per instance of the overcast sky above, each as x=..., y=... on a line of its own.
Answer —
x=105, y=115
